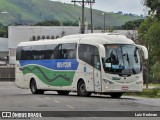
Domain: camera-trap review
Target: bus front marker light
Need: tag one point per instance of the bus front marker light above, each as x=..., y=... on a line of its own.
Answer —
x=139, y=82
x=106, y=87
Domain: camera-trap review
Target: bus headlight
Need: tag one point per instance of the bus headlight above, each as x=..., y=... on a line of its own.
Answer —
x=107, y=81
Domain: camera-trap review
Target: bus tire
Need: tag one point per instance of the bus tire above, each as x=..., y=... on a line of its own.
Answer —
x=63, y=92
x=116, y=95
x=81, y=89
x=33, y=87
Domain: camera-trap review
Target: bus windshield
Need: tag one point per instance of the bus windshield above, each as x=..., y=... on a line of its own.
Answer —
x=122, y=60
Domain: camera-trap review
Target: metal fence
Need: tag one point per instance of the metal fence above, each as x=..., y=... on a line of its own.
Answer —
x=7, y=73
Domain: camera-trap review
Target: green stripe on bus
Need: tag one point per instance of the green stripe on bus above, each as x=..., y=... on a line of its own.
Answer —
x=50, y=77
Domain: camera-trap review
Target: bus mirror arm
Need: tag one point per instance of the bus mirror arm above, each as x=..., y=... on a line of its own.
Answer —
x=144, y=49
x=102, y=51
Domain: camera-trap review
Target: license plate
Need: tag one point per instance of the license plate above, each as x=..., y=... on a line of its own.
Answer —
x=125, y=88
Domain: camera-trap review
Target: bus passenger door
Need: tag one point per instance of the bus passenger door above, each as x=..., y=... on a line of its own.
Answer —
x=97, y=73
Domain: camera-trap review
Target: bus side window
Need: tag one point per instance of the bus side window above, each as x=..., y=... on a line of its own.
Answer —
x=57, y=51
x=52, y=51
x=26, y=53
x=39, y=52
x=69, y=51
x=64, y=54
x=82, y=52
x=90, y=55
x=72, y=52
x=96, y=58
x=96, y=62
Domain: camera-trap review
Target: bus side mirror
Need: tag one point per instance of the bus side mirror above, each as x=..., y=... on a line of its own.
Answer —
x=102, y=51
x=144, y=49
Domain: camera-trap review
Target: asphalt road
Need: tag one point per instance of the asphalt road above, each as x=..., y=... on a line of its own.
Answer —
x=15, y=99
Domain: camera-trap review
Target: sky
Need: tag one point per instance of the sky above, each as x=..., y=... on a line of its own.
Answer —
x=126, y=6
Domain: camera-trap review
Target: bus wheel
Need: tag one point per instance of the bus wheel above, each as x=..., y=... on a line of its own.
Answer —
x=116, y=95
x=33, y=87
x=63, y=92
x=81, y=90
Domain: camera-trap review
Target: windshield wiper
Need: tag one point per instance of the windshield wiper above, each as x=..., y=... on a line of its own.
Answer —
x=127, y=58
x=135, y=55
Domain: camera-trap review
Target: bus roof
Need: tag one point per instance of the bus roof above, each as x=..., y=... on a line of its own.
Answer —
x=49, y=41
x=108, y=38
x=93, y=38
x=90, y=35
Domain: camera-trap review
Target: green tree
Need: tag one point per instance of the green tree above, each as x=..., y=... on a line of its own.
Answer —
x=131, y=25
x=70, y=23
x=150, y=37
x=48, y=23
x=156, y=70
x=3, y=31
x=154, y=6
x=143, y=30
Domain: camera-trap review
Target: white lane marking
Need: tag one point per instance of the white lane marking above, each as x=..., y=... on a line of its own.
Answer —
x=57, y=101
x=69, y=106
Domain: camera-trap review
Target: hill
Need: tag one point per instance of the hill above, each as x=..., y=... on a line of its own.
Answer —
x=33, y=11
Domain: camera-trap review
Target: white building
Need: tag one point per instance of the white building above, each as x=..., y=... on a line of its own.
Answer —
x=3, y=50
x=19, y=34
x=3, y=47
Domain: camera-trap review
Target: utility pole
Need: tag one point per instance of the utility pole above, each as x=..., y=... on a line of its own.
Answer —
x=83, y=21
x=83, y=3
x=104, y=22
x=91, y=17
x=148, y=69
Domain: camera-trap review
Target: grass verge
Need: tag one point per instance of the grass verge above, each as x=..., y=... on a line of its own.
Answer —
x=148, y=93
x=153, y=85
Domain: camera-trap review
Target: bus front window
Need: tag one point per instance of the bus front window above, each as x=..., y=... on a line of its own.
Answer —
x=122, y=59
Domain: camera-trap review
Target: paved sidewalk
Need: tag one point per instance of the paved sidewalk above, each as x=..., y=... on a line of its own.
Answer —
x=151, y=87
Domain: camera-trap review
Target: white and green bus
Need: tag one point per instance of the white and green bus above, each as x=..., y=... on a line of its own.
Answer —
x=89, y=63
